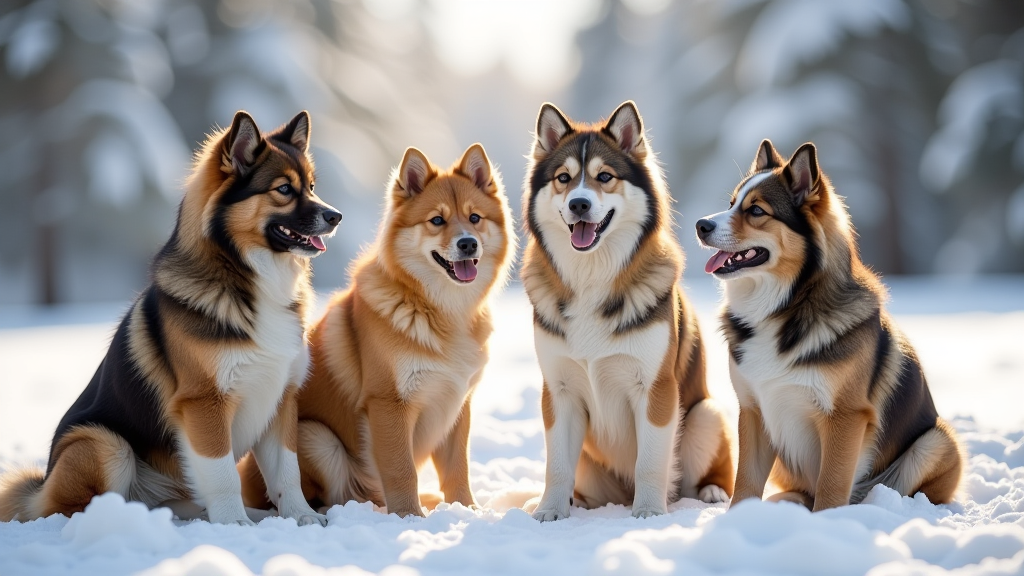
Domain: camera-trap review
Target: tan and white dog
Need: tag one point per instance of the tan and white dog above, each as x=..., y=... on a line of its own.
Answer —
x=206, y=363
x=398, y=354
x=627, y=414
x=831, y=393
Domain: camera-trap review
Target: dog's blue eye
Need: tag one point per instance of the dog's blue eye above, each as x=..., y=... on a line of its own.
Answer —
x=474, y=218
x=437, y=221
x=285, y=189
x=757, y=211
x=564, y=178
x=604, y=177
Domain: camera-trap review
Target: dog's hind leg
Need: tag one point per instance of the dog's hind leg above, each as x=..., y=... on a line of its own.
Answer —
x=597, y=485
x=704, y=454
x=933, y=464
x=947, y=458
x=329, y=473
x=91, y=460
x=791, y=488
x=254, y=488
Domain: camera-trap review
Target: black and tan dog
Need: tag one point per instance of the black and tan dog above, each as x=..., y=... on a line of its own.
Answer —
x=206, y=364
x=831, y=393
x=627, y=414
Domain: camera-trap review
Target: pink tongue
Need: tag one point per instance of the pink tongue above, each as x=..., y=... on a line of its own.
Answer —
x=317, y=243
x=465, y=270
x=716, y=261
x=583, y=234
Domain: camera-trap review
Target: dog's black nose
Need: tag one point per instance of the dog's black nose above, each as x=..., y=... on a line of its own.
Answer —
x=332, y=217
x=705, y=227
x=579, y=206
x=467, y=246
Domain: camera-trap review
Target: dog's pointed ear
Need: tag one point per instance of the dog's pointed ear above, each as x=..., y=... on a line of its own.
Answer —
x=626, y=126
x=413, y=174
x=801, y=173
x=296, y=131
x=766, y=158
x=242, y=142
x=552, y=126
x=475, y=165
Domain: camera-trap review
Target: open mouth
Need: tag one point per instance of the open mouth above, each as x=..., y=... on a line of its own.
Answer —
x=584, y=235
x=293, y=238
x=462, y=271
x=728, y=262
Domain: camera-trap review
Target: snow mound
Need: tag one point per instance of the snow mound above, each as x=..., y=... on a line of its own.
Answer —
x=766, y=538
x=113, y=525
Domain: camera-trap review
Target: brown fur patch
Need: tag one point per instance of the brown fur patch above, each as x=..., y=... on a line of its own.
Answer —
x=663, y=398
x=254, y=488
x=205, y=418
x=287, y=418
x=546, y=407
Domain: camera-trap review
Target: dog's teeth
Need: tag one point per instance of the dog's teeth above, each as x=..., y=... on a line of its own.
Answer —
x=750, y=253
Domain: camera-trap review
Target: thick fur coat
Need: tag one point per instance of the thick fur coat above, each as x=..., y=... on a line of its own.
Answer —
x=833, y=399
x=398, y=354
x=627, y=414
x=206, y=364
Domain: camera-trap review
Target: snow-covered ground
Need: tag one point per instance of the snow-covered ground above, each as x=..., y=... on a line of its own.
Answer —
x=969, y=335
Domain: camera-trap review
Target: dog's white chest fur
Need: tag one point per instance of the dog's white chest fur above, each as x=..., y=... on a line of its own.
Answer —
x=609, y=373
x=437, y=387
x=789, y=397
x=259, y=374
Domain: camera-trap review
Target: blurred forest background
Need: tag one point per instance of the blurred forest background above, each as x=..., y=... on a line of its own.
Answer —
x=917, y=107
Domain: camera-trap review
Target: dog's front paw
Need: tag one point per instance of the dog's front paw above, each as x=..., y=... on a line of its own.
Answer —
x=312, y=519
x=408, y=512
x=712, y=494
x=229, y=512
x=646, y=511
x=550, y=515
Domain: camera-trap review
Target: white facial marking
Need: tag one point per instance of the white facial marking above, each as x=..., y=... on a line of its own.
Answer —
x=583, y=166
x=723, y=235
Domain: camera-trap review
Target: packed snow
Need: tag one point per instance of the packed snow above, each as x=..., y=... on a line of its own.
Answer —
x=969, y=335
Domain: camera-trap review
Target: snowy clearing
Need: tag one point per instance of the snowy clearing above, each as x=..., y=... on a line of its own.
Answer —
x=970, y=336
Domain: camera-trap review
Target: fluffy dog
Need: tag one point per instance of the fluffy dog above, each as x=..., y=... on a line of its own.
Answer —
x=398, y=354
x=627, y=414
x=831, y=393
x=206, y=364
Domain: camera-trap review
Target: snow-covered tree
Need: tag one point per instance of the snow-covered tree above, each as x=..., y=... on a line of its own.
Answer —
x=101, y=102
x=906, y=99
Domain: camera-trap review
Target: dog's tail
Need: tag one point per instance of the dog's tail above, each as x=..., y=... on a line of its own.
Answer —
x=18, y=491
